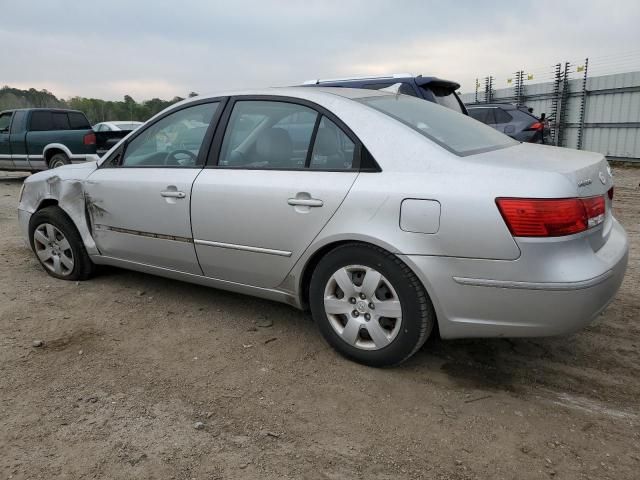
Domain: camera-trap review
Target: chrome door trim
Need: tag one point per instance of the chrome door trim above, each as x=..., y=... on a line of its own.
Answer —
x=245, y=248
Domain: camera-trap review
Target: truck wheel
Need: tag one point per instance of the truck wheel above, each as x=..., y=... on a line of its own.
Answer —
x=58, y=160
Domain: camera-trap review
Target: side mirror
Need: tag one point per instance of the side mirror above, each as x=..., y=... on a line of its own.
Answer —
x=509, y=129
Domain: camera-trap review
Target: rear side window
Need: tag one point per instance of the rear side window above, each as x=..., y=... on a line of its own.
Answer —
x=502, y=116
x=60, y=121
x=445, y=97
x=41, y=121
x=457, y=133
x=77, y=121
x=405, y=88
x=332, y=149
x=479, y=114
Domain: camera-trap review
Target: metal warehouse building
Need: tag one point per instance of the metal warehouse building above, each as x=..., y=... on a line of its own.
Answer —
x=601, y=114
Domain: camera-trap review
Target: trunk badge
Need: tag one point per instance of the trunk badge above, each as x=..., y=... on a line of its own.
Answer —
x=602, y=178
x=584, y=183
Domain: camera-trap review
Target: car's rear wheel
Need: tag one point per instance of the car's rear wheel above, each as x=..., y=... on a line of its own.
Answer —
x=58, y=246
x=369, y=305
x=58, y=160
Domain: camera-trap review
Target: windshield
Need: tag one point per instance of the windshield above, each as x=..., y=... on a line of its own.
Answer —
x=453, y=131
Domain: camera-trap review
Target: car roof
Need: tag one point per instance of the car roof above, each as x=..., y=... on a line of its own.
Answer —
x=304, y=93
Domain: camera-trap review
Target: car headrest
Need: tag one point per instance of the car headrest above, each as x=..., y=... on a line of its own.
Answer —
x=326, y=142
x=274, y=144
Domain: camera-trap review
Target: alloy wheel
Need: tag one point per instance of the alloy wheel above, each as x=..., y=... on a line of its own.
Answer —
x=53, y=249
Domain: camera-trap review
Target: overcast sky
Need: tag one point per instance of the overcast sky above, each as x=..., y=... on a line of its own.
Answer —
x=161, y=49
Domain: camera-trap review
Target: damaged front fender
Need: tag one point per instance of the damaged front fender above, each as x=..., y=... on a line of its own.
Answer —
x=64, y=185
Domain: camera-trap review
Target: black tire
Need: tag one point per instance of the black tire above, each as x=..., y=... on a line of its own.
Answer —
x=83, y=267
x=58, y=160
x=418, y=316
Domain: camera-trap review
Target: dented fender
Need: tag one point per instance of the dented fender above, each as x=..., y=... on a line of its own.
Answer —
x=65, y=185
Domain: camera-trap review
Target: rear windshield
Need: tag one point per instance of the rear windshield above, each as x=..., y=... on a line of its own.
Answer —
x=453, y=131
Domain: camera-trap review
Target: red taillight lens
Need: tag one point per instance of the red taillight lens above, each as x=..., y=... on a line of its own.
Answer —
x=537, y=217
x=89, y=139
x=536, y=126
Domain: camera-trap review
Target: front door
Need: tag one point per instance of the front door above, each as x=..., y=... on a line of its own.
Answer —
x=5, y=146
x=139, y=198
x=282, y=172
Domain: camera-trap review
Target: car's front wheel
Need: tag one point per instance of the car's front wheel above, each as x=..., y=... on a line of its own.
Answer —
x=58, y=246
x=369, y=305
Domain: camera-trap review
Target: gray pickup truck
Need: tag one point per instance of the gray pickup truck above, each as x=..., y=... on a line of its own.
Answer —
x=39, y=138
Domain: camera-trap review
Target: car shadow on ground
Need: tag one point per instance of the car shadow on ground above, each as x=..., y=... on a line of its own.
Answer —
x=486, y=364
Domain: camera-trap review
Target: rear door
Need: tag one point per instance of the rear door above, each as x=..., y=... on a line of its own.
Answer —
x=276, y=176
x=139, y=198
x=5, y=146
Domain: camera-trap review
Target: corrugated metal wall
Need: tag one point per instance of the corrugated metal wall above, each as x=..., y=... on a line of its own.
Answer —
x=611, y=118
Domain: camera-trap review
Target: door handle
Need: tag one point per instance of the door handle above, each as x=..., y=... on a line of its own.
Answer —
x=305, y=202
x=173, y=194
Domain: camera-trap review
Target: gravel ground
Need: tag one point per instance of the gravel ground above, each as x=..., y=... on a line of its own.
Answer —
x=131, y=363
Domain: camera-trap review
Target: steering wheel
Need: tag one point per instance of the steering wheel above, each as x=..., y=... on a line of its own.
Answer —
x=172, y=159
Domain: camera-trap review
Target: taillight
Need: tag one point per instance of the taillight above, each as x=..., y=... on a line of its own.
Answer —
x=536, y=126
x=537, y=217
x=89, y=139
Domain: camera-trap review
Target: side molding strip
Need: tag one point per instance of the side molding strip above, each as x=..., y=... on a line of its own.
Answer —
x=554, y=286
x=245, y=248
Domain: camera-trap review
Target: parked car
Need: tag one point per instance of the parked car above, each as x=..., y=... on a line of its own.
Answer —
x=40, y=138
x=116, y=126
x=516, y=121
x=388, y=215
x=432, y=89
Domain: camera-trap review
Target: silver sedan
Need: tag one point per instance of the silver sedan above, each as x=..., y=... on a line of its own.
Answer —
x=382, y=213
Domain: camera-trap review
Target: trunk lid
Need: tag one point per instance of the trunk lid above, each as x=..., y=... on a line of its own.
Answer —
x=588, y=173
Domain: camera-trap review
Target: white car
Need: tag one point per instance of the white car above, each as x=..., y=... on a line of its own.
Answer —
x=116, y=126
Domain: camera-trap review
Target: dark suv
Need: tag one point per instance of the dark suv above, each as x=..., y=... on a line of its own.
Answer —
x=432, y=89
x=517, y=122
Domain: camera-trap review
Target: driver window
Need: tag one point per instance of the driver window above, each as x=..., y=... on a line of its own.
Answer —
x=174, y=141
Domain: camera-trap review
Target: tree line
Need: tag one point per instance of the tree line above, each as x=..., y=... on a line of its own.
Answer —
x=96, y=110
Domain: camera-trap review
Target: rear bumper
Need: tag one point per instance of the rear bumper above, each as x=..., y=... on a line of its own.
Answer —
x=551, y=294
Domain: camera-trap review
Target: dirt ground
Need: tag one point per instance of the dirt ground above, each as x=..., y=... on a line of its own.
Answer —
x=131, y=362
